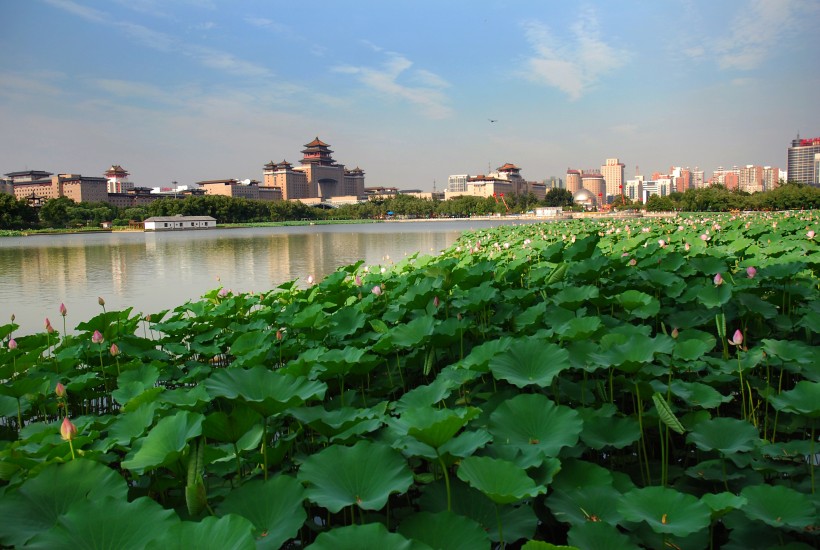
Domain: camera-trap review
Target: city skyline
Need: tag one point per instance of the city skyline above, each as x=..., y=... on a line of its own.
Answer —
x=193, y=90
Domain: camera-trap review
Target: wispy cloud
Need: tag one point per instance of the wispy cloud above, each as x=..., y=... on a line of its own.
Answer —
x=754, y=32
x=395, y=79
x=208, y=57
x=573, y=65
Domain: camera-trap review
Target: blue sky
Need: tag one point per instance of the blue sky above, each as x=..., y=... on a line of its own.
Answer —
x=186, y=90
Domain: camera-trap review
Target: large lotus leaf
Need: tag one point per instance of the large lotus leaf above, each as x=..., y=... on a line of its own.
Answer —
x=791, y=351
x=41, y=500
x=714, y=295
x=445, y=531
x=231, y=427
x=480, y=356
x=803, y=399
x=371, y=536
x=532, y=421
x=541, y=545
x=165, y=442
x=435, y=427
x=708, y=265
x=726, y=435
x=132, y=424
x=466, y=443
x=633, y=351
x=426, y=395
x=274, y=507
x=334, y=422
x=230, y=532
x=723, y=503
x=598, y=535
x=640, y=304
x=133, y=382
x=573, y=296
x=607, y=430
x=666, y=510
x=693, y=344
x=518, y=522
x=530, y=362
x=589, y=503
x=346, y=321
x=578, y=328
x=108, y=523
x=364, y=474
x=267, y=391
x=407, y=335
x=500, y=480
x=778, y=506
x=251, y=347
x=697, y=394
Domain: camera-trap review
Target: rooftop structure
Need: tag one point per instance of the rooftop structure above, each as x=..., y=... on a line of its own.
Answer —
x=801, y=165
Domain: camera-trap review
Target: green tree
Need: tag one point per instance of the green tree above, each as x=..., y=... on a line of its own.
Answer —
x=55, y=212
x=558, y=197
x=16, y=214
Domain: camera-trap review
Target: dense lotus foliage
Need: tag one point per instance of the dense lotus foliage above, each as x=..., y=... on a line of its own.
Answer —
x=595, y=384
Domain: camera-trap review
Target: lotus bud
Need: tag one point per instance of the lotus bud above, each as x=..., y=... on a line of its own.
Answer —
x=718, y=279
x=63, y=310
x=674, y=332
x=67, y=430
x=222, y=292
x=810, y=234
x=661, y=243
x=686, y=246
x=704, y=237
x=97, y=337
x=114, y=350
x=101, y=301
x=279, y=335
x=377, y=290
x=12, y=344
x=12, y=317
x=633, y=262
x=436, y=301
x=310, y=279
x=357, y=280
x=737, y=338
x=60, y=390
x=49, y=328
x=751, y=272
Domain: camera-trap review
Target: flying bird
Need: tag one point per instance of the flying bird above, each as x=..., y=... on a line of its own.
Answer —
x=493, y=119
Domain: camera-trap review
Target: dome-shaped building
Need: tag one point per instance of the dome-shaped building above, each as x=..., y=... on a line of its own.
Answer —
x=584, y=197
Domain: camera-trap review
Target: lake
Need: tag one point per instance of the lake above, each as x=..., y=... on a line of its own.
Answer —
x=155, y=271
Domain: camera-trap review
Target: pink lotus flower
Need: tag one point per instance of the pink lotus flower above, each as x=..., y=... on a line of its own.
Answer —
x=60, y=390
x=718, y=279
x=704, y=237
x=114, y=350
x=49, y=328
x=377, y=290
x=357, y=280
x=68, y=431
x=633, y=261
x=737, y=338
x=686, y=246
x=751, y=272
x=810, y=234
x=222, y=292
x=279, y=335
x=63, y=310
x=97, y=337
x=661, y=243
x=12, y=344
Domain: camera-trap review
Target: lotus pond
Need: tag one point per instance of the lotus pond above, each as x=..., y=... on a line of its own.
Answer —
x=588, y=384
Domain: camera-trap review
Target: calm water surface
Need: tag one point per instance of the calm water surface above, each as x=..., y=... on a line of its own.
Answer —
x=155, y=271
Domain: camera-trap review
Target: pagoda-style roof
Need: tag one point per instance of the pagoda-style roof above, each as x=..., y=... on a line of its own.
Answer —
x=270, y=166
x=509, y=167
x=116, y=170
x=284, y=164
x=317, y=143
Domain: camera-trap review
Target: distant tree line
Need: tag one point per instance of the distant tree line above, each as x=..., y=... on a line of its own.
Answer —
x=63, y=212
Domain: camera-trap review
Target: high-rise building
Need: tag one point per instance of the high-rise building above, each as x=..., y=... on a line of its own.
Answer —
x=613, y=172
x=801, y=163
x=697, y=178
x=682, y=178
x=771, y=177
x=573, y=180
x=554, y=183
x=751, y=179
x=593, y=181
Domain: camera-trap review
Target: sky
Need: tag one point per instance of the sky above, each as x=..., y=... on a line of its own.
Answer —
x=409, y=91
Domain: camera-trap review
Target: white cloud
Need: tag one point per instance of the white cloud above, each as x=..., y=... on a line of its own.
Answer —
x=573, y=65
x=754, y=32
x=425, y=89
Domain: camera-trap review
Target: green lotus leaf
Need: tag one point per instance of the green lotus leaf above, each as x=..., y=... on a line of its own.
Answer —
x=572, y=296
x=723, y=503
x=778, y=506
x=37, y=504
x=696, y=394
x=589, y=503
x=708, y=265
x=530, y=422
x=274, y=507
x=803, y=399
x=530, y=362
x=364, y=474
x=251, y=347
x=598, y=535
x=231, y=427
x=711, y=295
x=427, y=395
x=628, y=352
x=500, y=480
x=518, y=522
x=690, y=349
x=346, y=321
x=268, y=392
x=640, y=304
x=791, y=351
x=726, y=435
x=445, y=531
x=435, y=427
x=466, y=443
x=229, y=532
x=606, y=430
x=665, y=510
x=133, y=382
x=107, y=523
x=480, y=356
x=541, y=545
x=410, y=334
x=165, y=442
x=578, y=328
x=371, y=536
x=133, y=424
x=334, y=422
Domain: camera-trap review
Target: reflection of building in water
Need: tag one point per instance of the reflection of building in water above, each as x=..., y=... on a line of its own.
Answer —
x=118, y=268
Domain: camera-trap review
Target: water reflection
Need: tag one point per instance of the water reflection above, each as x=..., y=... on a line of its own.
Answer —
x=155, y=271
